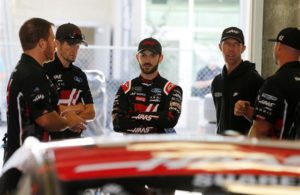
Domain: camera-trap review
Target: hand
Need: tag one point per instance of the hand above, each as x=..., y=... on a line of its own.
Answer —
x=241, y=108
x=76, y=123
x=78, y=128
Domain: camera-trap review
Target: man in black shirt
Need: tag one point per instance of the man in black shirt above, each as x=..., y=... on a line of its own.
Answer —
x=238, y=81
x=70, y=81
x=148, y=103
x=280, y=94
x=31, y=97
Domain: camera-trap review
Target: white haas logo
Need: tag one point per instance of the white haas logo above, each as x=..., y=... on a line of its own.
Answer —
x=144, y=117
x=57, y=76
x=233, y=31
x=140, y=130
x=38, y=97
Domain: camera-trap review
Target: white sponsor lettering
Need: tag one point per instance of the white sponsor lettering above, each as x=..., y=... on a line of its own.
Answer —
x=267, y=162
x=38, y=97
x=259, y=163
x=140, y=130
x=269, y=97
x=206, y=180
x=235, y=94
x=233, y=31
x=147, y=84
x=57, y=76
x=218, y=94
x=178, y=96
x=145, y=117
x=175, y=104
x=281, y=37
x=266, y=103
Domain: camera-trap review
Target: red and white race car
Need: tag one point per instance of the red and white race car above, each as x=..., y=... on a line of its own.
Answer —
x=162, y=164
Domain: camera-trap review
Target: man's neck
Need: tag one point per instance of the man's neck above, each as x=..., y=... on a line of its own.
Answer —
x=231, y=67
x=64, y=62
x=287, y=59
x=149, y=76
x=39, y=57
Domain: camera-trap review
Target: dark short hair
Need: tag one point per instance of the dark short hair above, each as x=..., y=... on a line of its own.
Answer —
x=32, y=31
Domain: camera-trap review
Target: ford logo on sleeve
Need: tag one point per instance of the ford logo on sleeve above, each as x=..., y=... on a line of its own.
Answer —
x=78, y=79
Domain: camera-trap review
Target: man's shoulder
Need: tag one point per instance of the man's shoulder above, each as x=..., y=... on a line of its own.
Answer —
x=50, y=67
x=76, y=68
x=251, y=73
x=276, y=79
x=217, y=78
x=169, y=87
x=24, y=71
x=78, y=71
x=126, y=86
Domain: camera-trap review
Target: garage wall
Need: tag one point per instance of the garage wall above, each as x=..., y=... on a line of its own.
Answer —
x=278, y=14
x=83, y=13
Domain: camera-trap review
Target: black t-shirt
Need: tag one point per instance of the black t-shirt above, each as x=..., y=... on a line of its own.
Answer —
x=142, y=106
x=278, y=98
x=72, y=86
x=30, y=94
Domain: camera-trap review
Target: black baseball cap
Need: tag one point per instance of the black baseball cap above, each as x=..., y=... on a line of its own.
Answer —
x=70, y=33
x=150, y=44
x=289, y=36
x=233, y=32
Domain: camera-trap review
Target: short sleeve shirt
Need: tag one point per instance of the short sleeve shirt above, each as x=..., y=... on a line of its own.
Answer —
x=72, y=86
x=71, y=83
x=278, y=98
x=30, y=94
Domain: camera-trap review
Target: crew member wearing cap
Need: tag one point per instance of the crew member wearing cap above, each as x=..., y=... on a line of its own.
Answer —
x=31, y=100
x=70, y=81
x=148, y=103
x=278, y=97
x=238, y=81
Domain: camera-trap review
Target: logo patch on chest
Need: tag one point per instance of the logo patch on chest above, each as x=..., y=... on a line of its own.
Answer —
x=156, y=90
x=155, y=98
x=218, y=94
x=78, y=79
x=235, y=94
x=139, y=98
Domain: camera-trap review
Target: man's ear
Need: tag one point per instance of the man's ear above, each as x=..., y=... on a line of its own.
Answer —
x=220, y=46
x=161, y=57
x=244, y=48
x=42, y=43
x=278, y=46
